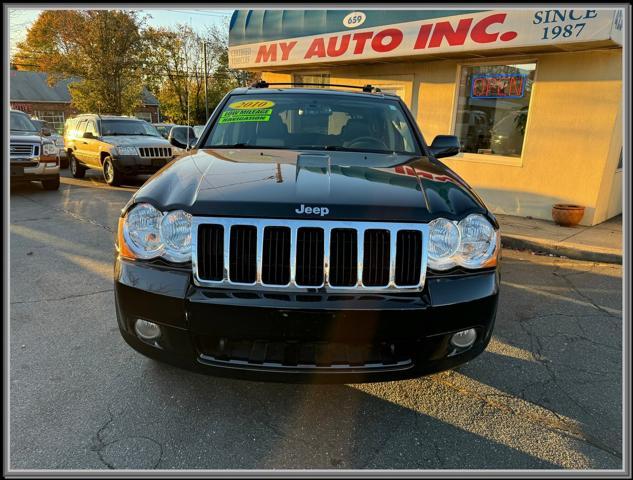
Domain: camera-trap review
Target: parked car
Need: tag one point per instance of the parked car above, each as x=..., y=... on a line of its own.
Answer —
x=118, y=146
x=33, y=156
x=311, y=235
x=163, y=128
x=47, y=130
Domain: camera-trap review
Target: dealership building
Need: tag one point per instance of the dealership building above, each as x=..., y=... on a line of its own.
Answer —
x=534, y=95
x=32, y=93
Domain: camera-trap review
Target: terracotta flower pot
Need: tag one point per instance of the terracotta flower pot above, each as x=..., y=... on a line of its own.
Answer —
x=567, y=215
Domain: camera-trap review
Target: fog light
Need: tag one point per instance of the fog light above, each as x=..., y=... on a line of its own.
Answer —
x=464, y=339
x=146, y=330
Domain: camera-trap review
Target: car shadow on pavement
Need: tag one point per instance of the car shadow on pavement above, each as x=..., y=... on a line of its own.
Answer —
x=545, y=395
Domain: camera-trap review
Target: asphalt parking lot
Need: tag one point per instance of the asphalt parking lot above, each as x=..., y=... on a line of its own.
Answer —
x=547, y=393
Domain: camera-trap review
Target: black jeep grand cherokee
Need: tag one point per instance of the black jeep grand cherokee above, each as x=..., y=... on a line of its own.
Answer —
x=311, y=235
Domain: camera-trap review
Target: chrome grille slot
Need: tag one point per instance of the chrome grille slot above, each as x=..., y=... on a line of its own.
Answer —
x=408, y=257
x=310, y=266
x=376, y=258
x=276, y=256
x=243, y=247
x=303, y=255
x=343, y=258
x=211, y=241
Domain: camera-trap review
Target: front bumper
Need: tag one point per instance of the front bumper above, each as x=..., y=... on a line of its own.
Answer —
x=33, y=170
x=304, y=337
x=137, y=165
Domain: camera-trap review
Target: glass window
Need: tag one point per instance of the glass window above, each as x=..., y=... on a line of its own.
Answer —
x=128, y=127
x=81, y=128
x=56, y=119
x=492, y=108
x=147, y=116
x=21, y=123
x=320, y=121
x=316, y=78
x=90, y=127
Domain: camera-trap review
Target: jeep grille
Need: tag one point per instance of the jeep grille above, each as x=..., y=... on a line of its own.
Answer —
x=304, y=255
x=155, y=152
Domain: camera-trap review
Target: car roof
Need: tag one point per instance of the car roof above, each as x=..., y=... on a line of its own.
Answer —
x=318, y=91
x=108, y=117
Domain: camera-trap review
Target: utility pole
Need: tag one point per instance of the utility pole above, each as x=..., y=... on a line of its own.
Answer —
x=206, y=96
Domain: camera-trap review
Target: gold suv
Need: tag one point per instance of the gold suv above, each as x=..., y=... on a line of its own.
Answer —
x=118, y=146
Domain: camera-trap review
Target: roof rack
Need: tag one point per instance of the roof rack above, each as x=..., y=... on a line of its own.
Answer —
x=366, y=88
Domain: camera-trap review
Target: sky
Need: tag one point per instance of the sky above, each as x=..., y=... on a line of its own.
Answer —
x=199, y=18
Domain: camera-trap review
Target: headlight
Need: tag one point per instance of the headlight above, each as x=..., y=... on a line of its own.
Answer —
x=49, y=149
x=141, y=231
x=479, y=241
x=147, y=233
x=443, y=243
x=126, y=150
x=175, y=231
x=471, y=243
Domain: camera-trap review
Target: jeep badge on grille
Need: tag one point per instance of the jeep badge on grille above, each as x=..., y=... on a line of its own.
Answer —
x=303, y=210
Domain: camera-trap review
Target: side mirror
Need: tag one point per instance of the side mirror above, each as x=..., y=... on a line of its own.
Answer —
x=445, y=146
x=46, y=132
x=88, y=135
x=176, y=143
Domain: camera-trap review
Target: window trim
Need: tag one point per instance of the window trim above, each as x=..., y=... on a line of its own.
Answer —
x=492, y=158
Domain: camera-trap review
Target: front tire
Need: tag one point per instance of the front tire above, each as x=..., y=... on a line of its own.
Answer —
x=77, y=171
x=51, y=184
x=111, y=174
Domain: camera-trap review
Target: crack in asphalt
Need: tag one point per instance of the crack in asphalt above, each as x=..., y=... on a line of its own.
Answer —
x=99, y=444
x=536, y=350
x=81, y=218
x=62, y=298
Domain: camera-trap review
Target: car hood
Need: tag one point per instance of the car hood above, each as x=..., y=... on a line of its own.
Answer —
x=276, y=183
x=135, y=141
x=25, y=137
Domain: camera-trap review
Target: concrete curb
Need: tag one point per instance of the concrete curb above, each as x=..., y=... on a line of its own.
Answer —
x=573, y=252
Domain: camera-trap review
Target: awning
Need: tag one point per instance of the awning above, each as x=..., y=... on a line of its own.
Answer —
x=272, y=38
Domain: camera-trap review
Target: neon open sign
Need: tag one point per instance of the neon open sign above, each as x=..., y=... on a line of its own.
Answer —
x=500, y=85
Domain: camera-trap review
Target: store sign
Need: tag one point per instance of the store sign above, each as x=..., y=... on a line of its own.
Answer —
x=23, y=107
x=458, y=33
x=503, y=85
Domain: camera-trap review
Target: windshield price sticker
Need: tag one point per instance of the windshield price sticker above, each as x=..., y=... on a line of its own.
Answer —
x=251, y=104
x=251, y=115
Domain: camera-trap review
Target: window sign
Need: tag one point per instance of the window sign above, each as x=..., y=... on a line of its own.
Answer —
x=498, y=86
x=492, y=108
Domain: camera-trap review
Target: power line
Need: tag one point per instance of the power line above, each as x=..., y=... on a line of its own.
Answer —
x=197, y=12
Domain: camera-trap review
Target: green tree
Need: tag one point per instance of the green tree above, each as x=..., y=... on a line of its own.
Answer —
x=104, y=50
x=176, y=71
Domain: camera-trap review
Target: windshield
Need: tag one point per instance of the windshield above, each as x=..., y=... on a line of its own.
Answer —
x=313, y=122
x=127, y=127
x=21, y=123
x=163, y=129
